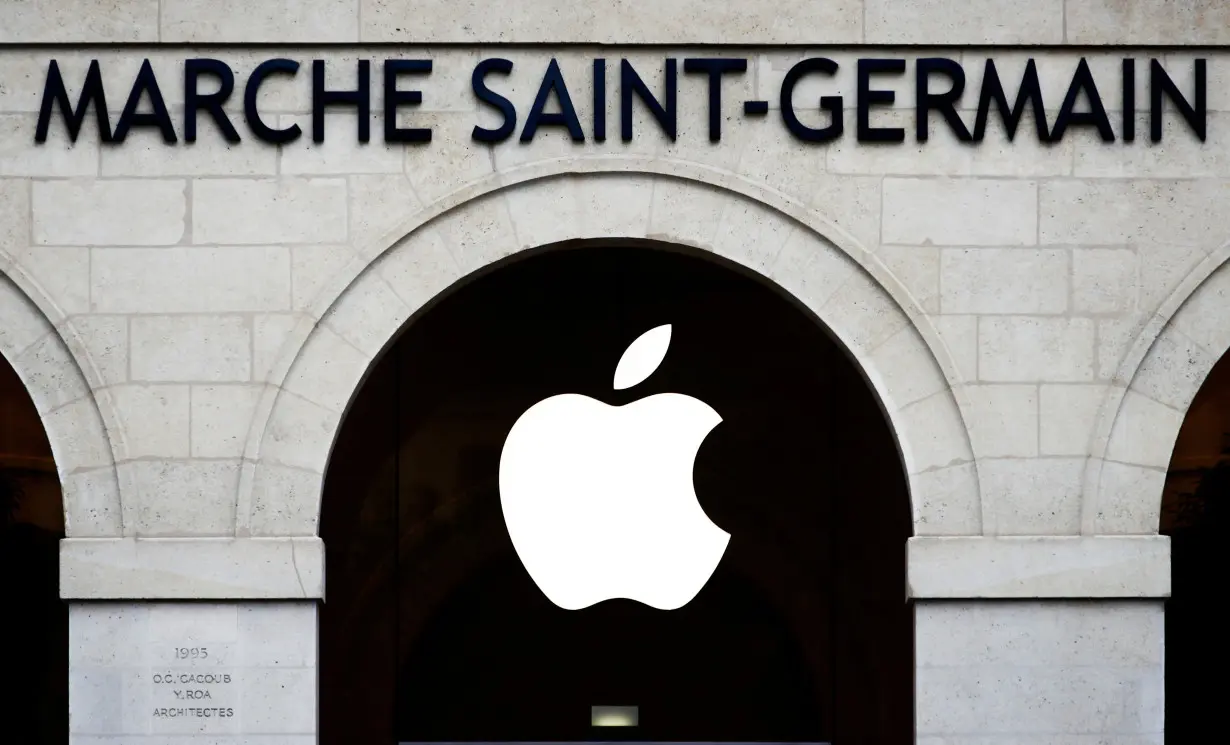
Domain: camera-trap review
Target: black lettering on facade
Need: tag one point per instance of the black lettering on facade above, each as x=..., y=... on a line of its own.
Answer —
x=714, y=69
x=478, y=81
x=1029, y=93
x=55, y=94
x=360, y=98
x=1160, y=85
x=665, y=113
x=868, y=98
x=599, y=100
x=1082, y=82
x=146, y=84
x=831, y=104
x=395, y=99
x=263, y=131
x=210, y=103
x=552, y=82
x=945, y=103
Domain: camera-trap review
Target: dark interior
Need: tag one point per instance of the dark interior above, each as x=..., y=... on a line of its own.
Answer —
x=1195, y=507
x=433, y=631
x=34, y=707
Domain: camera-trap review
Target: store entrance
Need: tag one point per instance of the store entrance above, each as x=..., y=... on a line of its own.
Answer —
x=434, y=631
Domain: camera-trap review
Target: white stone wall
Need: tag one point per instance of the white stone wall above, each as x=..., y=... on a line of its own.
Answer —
x=191, y=320
x=221, y=303
x=192, y=673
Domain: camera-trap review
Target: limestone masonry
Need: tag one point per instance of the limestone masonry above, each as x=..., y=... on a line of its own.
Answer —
x=1014, y=216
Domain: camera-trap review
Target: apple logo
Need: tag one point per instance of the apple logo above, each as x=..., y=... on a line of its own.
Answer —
x=599, y=500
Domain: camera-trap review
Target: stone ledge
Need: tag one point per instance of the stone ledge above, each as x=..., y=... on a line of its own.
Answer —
x=192, y=568
x=1038, y=567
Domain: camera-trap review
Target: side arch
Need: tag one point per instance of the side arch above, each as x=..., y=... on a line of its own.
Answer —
x=1145, y=406
x=70, y=413
x=782, y=242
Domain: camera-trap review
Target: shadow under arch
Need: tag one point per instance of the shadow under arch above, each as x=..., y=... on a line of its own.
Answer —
x=1172, y=355
x=450, y=243
x=803, y=471
x=73, y=419
x=32, y=521
x=1195, y=514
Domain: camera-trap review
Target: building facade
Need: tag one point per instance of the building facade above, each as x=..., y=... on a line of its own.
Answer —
x=217, y=217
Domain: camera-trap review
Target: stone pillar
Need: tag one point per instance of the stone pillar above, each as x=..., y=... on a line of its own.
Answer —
x=1039, y=641
x=200, y=640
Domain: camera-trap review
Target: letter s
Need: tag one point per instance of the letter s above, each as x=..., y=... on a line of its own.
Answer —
x=490, y=97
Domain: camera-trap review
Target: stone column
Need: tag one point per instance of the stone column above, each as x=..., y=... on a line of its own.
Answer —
x=204, y=640
x=1039, y=641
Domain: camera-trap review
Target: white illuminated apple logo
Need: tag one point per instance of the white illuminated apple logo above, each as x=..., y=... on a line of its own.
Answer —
x=599, y=500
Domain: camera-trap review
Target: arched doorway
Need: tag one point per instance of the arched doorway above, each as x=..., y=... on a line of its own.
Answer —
x=1194, y=515
x=34, y=708
x=433, y=631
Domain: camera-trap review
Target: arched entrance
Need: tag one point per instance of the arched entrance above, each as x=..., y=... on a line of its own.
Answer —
x=34, y=708
x=433, y=631
x=1194, y=515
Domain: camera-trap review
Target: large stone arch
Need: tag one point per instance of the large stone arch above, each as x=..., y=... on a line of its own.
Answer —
x=1138, y=424
x=35, y=346
x=823, y=268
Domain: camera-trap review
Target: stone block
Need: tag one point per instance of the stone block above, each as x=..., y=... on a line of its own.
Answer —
x=178, y=672
x=1180, y=154
x=178, y=497
x=945, y=155
x=199, y=568
x=78, y=439
x=145, y=154
x=50, y=374
x=269, y=211
x=918, y=268
x=1144, y=431
x=315, y=269
x=379, y=204
x=1113, y=633
x=960, y=337
x=280, y=21
x=1105, y=280
x=1067, y=415
x=190, y=279
x=1025, y=349
x=906, y=370
x=327, y=371
x=341, y=153
x=57, y=157
x=1173, y=370
x=221, y=418
x=1102, y=212
x=87, y=21
x=1147, y=22
x=1003, y=420
x=479, y=235
x=989, y=22
x=369, y=314
x=991, y=281
x=119, y=212
x=155, y=419
x=299, y=433
x=23, y=323
x=106, y=345
x=932, y=434
x=635, y=21
x=199, y=349
x=1032, y=496
x=270, y=332
x=960, y=212
x=1202, y=318
x=1023, y=567
x=945, y=501
x=62, y=273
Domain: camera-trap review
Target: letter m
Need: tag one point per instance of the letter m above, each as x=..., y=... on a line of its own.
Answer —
x=54, y=93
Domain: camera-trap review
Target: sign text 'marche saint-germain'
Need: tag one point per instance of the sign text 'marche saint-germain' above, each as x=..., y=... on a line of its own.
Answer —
x=939, y=86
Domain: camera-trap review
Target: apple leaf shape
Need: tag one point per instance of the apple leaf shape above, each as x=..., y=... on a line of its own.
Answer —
x=642, y=357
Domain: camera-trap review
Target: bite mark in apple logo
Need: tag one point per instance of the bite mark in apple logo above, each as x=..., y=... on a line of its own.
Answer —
x=599, y=500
